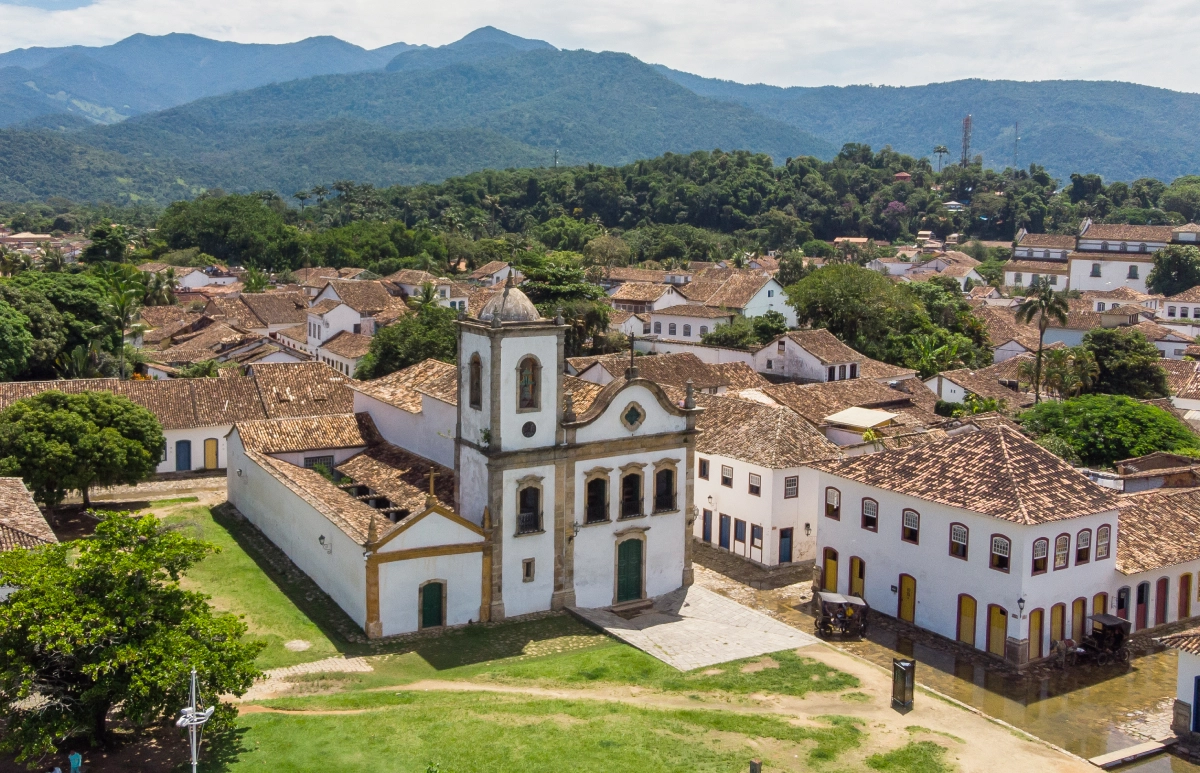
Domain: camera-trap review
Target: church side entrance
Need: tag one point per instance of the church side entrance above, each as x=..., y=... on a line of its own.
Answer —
x=629, y=570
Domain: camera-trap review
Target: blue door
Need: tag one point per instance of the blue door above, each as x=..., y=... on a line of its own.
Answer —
x=708, y=526
x=785, y=546
x=1196, y=706
x=724, y=537
x=183, y=455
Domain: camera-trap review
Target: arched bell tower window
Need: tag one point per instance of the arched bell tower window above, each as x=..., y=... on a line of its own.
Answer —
x=475, y=381
x=529, y=385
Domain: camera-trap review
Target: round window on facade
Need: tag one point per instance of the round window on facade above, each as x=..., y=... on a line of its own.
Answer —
x=528, y=429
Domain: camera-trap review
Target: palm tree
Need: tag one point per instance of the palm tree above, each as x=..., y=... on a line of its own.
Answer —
x=255, y=281
x=302, y=197
x=159, y=287
x=932, y=358
x=121, y=307
x=12, y=262
x=939, y=151
x=426, y=298
x=52, y=259
x=80, y=362
x=1046, y=304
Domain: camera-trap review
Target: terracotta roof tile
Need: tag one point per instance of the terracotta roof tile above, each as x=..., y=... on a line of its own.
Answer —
x=738, y=290
x=302, y=389
x=157, y=316
x=363, y=295
x=1156, y=332
x=413, y=276
x=277, y=308
x=401, y=476
x=322, y=306
x=1191, y=295
x=403, y=388
x=488, y=269
x=345, y=512
x=664, y=369
x=767, y=435
x=1183, y=377
x=233, y=312
x=823, y=345
x=207, y=344
x=816, y=401
x=996, y=471
x=1048, y=241
x=1158, y=528
x=693, y=310
x=700, y=290
x=1188, y=641
x=623, y=274
x=22, y=524
x=1121, y=293
x=309, y=433
x=226, y=400
x=740, y=376
x=297, y=333
x=1002, y=326
x=1128, y=233
x=640, y=291
x=348, y=345
x=1036, y=267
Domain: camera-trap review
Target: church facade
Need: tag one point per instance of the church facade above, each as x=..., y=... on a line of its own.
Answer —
x=562, y=492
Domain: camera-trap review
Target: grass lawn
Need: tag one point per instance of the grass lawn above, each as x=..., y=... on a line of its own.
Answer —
x=238, y=584
x=460, y=732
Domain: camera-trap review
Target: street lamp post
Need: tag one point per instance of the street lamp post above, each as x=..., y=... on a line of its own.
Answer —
x=193, y=718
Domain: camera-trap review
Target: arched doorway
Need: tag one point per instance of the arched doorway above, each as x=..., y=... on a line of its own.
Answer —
x=629, y=570
x=1058, y=623
x=966, y=619
x=829, y=574
x=1160, y=601
x=1185, y=596
x=433, y=606
x=907, y=610
x=1123, y=603
x=1142, y=611
x=1078, y=619
x=997, y=629
x=1036, y=623
x=858, y=576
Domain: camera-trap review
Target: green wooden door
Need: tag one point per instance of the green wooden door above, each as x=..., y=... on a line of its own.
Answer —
x=431, y=605
x=629, y=570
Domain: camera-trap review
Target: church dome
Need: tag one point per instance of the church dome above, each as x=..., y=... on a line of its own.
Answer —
x=512, y=305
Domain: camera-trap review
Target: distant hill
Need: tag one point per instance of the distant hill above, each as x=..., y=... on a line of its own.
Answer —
x=406, y=127
x=1121, y=131
x=143, y=73
x=484, y=44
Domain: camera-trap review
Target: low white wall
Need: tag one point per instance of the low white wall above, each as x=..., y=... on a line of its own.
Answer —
x=400, y=583
x=429, y=433
x=197, y=436
x=713, y=355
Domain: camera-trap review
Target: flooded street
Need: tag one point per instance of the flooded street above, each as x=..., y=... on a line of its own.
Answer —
x=1088, y=711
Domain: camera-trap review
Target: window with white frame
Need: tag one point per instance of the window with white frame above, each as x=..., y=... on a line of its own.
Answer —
x=1183, y=311
x=870, y=515
x=958, y=540
x=833, y=503
x=1062, y=551
x=1001, y=550
x=1083, y=547
x=791, y=487
x=1040, y=548
x=726, y=476
x=911, y=527
x=755, y=485
x=1103, y=536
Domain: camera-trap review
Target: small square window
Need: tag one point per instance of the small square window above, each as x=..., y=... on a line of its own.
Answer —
x=1170, y=311
x=726, y=476
x=770, y=293
x=658, y=328
x=755, y=484
x=704, y=469
x=781, y=347
x=527, y=570
x=1017, y=278
x=791, y=487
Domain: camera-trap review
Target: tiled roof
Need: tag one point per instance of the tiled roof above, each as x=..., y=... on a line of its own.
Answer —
x=639, y=291
x=618, y=316
x=823, y=345
x=1158, y=528
x=738, y=290
x=1002, y=326
x=883, y=371
x=233, y=312
x=700, y=290
x=364, y=296
x=225, y=400
x=622, y=274
x=310, y=275
x=277, y=308
x=583, y=393
x=1048, y=241
x=1191, y=295
x=204, y=345
x=985, y=382
x=309, y=433
x=1186, y=228
x=348, y=345
x=1188, y=641
x=413, y=276
x=1156, y=332
x=322, y=306
x=21, y=522
x=1100, y=256
x=1036, y=267
x=297, y=333
x=172, y=328
x=351, y=273
x=692, y=310
x=1121, y=293
x=740, y=375
x=345, y=512
x=487, y=270
x=1128, y=233
x=157, y=316
x=996, y=471
x=1183, y=377
x=981, y=291
x=302, y=389
x=767, y=435
x=766, y=263
x=816, y=401
x=403, y=388
x=665, y=369
x=401, y=476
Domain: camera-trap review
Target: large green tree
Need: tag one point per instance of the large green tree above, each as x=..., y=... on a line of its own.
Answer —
x=79, y=298
x=1176, y=268
x=240, y=229
x=59, y=443
x=1127, y=363
x=16, y=342
x=110, y=244
x=101, y=629
x=428, y=333
x=1102, y=429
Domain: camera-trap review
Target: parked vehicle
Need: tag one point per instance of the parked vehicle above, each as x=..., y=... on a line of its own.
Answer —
x=847, y=615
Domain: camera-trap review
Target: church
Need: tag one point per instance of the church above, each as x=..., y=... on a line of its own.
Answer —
x=497, y=488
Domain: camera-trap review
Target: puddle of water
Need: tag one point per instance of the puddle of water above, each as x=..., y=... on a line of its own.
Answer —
x=1082, y=710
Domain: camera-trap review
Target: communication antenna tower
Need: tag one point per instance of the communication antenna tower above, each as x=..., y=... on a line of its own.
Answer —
x=1016, y=146
x=966, y=154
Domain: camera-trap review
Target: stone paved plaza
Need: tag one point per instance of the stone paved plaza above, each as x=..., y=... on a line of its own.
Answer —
x=694, y=627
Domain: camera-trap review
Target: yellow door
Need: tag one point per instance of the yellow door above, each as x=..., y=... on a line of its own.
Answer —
x=1078, y=619
x=908, y=598
x=210, y=454
x=1035, y=634
x=858, y=576
x=997, y=629
x=1099, y=603
x=1057, y=630
x=831, y=570
x=966, y=620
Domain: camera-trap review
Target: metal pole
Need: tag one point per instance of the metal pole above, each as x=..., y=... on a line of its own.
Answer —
x=192, y=725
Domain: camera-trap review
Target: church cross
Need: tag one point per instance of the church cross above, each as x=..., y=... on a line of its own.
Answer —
x=432, y=474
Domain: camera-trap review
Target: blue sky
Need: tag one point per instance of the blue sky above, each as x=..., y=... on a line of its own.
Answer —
x=781, y=42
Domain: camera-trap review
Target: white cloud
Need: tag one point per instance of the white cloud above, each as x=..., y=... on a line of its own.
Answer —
x=807, y=43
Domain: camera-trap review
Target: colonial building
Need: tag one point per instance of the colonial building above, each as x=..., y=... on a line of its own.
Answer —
x=561, y=492
x=687, y=322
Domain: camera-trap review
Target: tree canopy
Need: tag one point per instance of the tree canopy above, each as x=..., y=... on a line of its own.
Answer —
x=430, y=333
x=59, y=443
x=1176, y=268
x=110, y=630
x=1103, y=429
x=1127, y=363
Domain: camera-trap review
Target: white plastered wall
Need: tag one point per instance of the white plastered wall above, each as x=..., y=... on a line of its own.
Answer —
x=429, y=433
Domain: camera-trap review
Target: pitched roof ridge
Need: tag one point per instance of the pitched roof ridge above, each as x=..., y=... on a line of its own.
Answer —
x=1002, y=433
